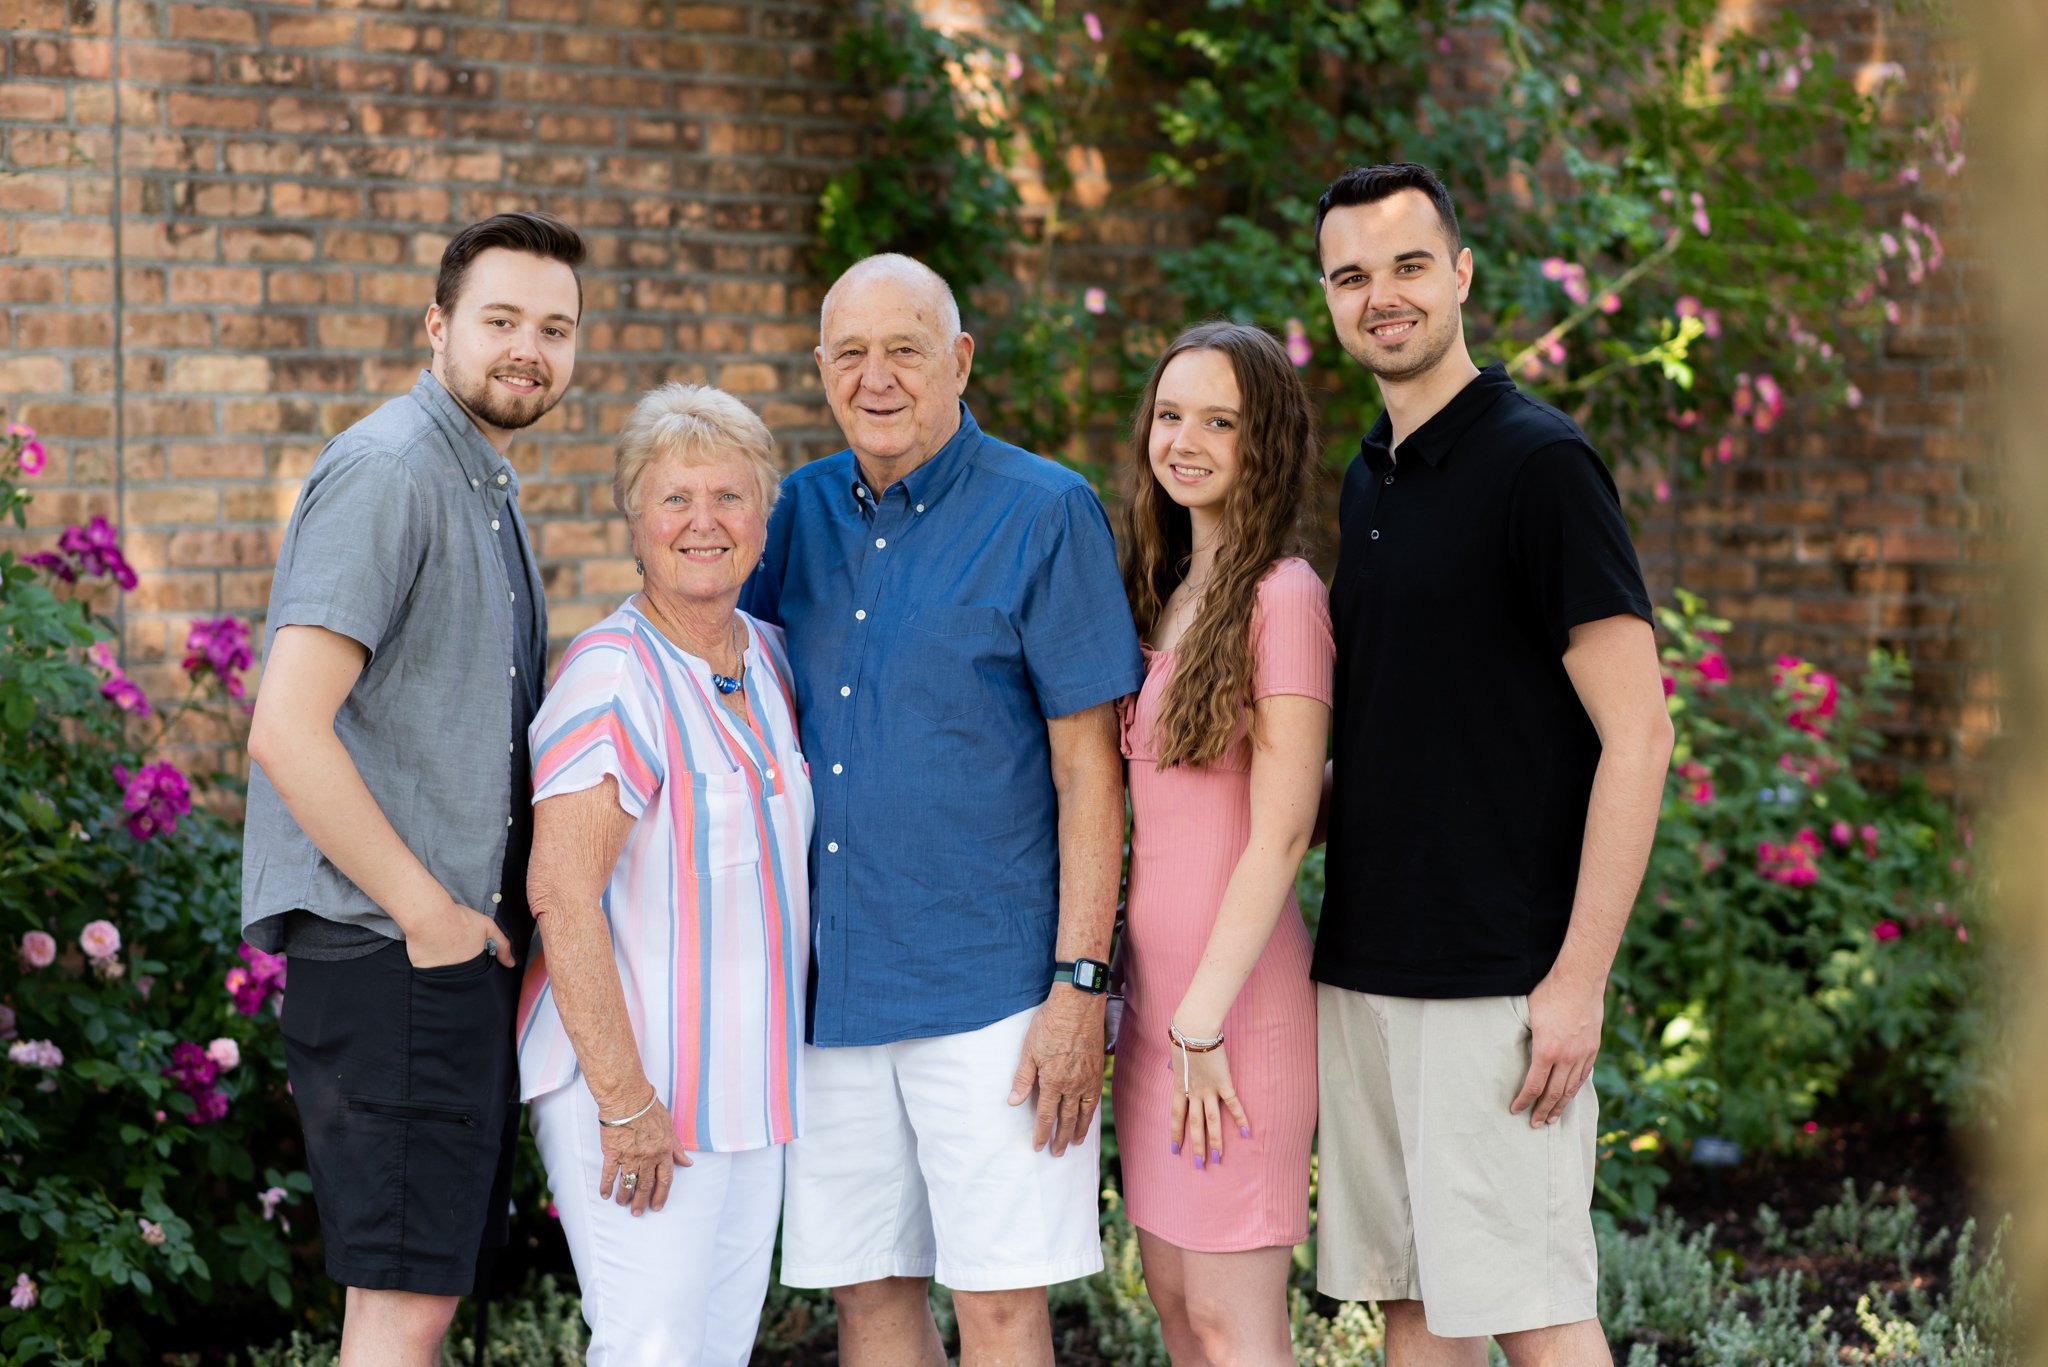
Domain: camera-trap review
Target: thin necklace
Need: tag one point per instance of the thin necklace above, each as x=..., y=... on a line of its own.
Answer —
x=727, y=684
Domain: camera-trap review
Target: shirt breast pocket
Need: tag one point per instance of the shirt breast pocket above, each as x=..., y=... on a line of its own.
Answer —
x=724, y=825
x=941, y=653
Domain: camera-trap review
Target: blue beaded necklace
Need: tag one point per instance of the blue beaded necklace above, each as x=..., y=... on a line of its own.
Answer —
x=726, y=684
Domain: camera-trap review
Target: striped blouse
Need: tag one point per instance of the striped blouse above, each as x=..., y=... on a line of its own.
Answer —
x=709, y=905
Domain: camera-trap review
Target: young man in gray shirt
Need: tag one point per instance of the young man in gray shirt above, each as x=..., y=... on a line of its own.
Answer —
x=387, y=834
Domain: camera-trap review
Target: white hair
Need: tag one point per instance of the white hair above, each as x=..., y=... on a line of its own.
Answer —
x=698, y=425
x=905, y=270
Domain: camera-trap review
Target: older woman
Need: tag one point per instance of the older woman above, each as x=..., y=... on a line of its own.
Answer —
x=661, y=1022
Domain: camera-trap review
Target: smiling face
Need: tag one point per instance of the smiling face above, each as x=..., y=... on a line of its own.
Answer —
x=699, y=528
x=1192, y=447
x=1394, y=286
x=893, y=375
x=507, y=347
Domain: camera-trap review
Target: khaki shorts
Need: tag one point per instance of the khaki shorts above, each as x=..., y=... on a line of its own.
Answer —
x=1428, y=1189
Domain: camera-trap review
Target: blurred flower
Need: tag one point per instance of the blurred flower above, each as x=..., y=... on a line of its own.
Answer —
x=152, y=1233
x=6, y=1021
x=1093, y=25
x=1700, y=779
x=155, y=798
x=127, y=695
x=23, y=1296
x=38, y=949
x=1570, y=84
x=99, y=940
x=1842, y=833
x=1553, y=268
x=1891, y=311
x=1853, y=397
x=35, y=1053
x=1702, y=224
x=1909, y=175
x=193, y=1072
x=1095, y=300
x=219, y=645
x=93, y=549
x=269, y=1198
x=1712, y=669
x=250, y=986
x=1610, y=302
x=1298, y=349
x=1661, y=491
x=1795, y=863
x=225, y=1053
x=1712, y=320
x=1888, y=244
x=1885, y=930
x=1013, y=66
x=1688, y=306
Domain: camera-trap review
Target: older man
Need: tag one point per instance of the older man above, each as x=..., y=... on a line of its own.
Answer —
x=959, y=639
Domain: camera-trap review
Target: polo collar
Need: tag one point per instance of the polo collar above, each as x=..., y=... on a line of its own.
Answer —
x=480, y=461
x=1434, y=441
x=925, y=485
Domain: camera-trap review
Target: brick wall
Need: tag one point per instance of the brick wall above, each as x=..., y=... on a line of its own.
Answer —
x=218, y=228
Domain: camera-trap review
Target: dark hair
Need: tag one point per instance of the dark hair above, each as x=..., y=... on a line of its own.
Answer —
x=1371, y=184
x=1276, y=456
x=522, y=230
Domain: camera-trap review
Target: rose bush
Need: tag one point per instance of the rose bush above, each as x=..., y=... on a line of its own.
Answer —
x=144, y=1074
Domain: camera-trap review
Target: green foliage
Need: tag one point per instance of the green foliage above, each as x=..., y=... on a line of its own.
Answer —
x=121, y=1202
x=1801, y=935
x=1656, y=200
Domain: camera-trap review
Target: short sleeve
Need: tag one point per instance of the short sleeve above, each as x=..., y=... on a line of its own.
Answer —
x=1079, y=645
x=1293, y=651
x=599, y=719
x=357, y=546
x=1570, y=543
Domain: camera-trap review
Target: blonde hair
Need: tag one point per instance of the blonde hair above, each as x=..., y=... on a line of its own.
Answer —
x=698, y=425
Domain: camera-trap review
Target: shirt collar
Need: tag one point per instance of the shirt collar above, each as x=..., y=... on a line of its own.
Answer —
x=924, y=485
x=481, y=463
x=1435, y=439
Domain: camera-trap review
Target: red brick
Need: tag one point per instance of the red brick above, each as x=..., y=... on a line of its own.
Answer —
x=220, y=374
x=312, y=30
x=214, y=111
x=31, y=375
x=24, y=101
x=73, y=58
x=216, y=285
x=212, y=24
x=161, y=65
x=64, y=238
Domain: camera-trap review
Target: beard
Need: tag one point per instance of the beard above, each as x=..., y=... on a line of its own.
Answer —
x=507, y=412
x=1407, y=364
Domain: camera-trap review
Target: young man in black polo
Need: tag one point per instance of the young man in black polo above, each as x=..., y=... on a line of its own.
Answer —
x=1500, y=748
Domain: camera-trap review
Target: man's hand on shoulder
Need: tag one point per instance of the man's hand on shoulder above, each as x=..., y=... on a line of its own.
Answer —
x=1564, y=1039
x=1062, y=1058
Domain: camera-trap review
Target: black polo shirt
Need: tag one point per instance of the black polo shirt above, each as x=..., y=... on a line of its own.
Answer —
x=1464, y=759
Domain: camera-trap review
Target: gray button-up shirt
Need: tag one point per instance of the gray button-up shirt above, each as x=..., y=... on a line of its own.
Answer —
x=394, y=544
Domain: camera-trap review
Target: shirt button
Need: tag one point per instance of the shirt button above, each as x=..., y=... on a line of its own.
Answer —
x=513, y=596
x=1375, y=533
x=476, y=484
x=838, y=768
x=771, y=773
x=845, y=691
x=920, y=507
x=832, y=847
x=508, y=821
x=1390, y=479
x=880, y=542
x=861, y=489
x=860, y=614
x=503, y=478
x=515, y=671
x=511, y=747
x=494, y=524
x=497, y=897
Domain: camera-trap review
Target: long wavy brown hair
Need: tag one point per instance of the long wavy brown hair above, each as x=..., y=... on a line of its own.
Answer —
x=1276, y=456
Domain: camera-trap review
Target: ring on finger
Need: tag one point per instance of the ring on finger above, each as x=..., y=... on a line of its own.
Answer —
x=629, y=1180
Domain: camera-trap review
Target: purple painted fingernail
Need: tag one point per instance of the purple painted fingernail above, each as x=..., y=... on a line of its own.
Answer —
x=1215, y=1155
x=1198, y=1163
x=1245, y=1130
x=1176, y=1148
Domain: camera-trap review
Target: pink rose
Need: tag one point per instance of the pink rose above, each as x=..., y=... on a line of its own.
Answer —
x=1885, y=930
x=1093, y=25
x=38, y=949
x=152, y=1233
x=99, y=940
x=1095, y=300
x=23, y=1296
x=1841, y=833
x=224, y=1052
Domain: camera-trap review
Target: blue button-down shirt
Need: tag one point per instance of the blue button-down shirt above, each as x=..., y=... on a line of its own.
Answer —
x=933, y=626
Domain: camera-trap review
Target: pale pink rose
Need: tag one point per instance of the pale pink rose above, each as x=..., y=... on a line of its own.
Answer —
x=1093, y=25
x=1095, y=300
x=1570, y=84
x=38, y=949
x=1853, y=397
x=224, y=1052
x=99, y=940
x=1013, y=66
x=269, y=1198
x=35, y=1053
x=23, y=1295
x=152, y=1233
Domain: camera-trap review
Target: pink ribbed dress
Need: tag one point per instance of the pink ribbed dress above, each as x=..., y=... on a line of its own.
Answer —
x=1190, y=827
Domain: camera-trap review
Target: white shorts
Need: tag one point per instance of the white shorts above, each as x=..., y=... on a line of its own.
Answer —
x=913, y=1164
x=677, y=1287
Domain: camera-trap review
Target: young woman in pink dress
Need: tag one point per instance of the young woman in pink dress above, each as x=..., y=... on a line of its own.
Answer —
x=1215, y=1081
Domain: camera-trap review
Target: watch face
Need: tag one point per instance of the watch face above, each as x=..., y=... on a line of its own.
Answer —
x=1088, y=975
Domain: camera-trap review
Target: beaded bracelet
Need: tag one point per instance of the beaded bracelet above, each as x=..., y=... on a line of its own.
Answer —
x=1190, y=1046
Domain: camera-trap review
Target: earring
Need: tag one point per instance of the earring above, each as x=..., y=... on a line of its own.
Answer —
x=639, y=568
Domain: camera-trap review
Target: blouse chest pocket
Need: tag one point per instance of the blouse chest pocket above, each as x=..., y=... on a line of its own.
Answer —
x=941, y=652
x=725, y=823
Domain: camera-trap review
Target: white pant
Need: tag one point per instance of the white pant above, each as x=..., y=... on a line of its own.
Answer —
x=677, y=1287
x=912, y=1161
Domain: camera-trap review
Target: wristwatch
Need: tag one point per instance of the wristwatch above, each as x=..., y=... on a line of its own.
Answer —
x=1088, y=975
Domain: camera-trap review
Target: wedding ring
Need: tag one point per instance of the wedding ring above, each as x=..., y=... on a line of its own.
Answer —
x=629, y=1180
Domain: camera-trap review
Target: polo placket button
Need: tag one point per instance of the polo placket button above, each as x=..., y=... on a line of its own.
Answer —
x=1375, y=533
